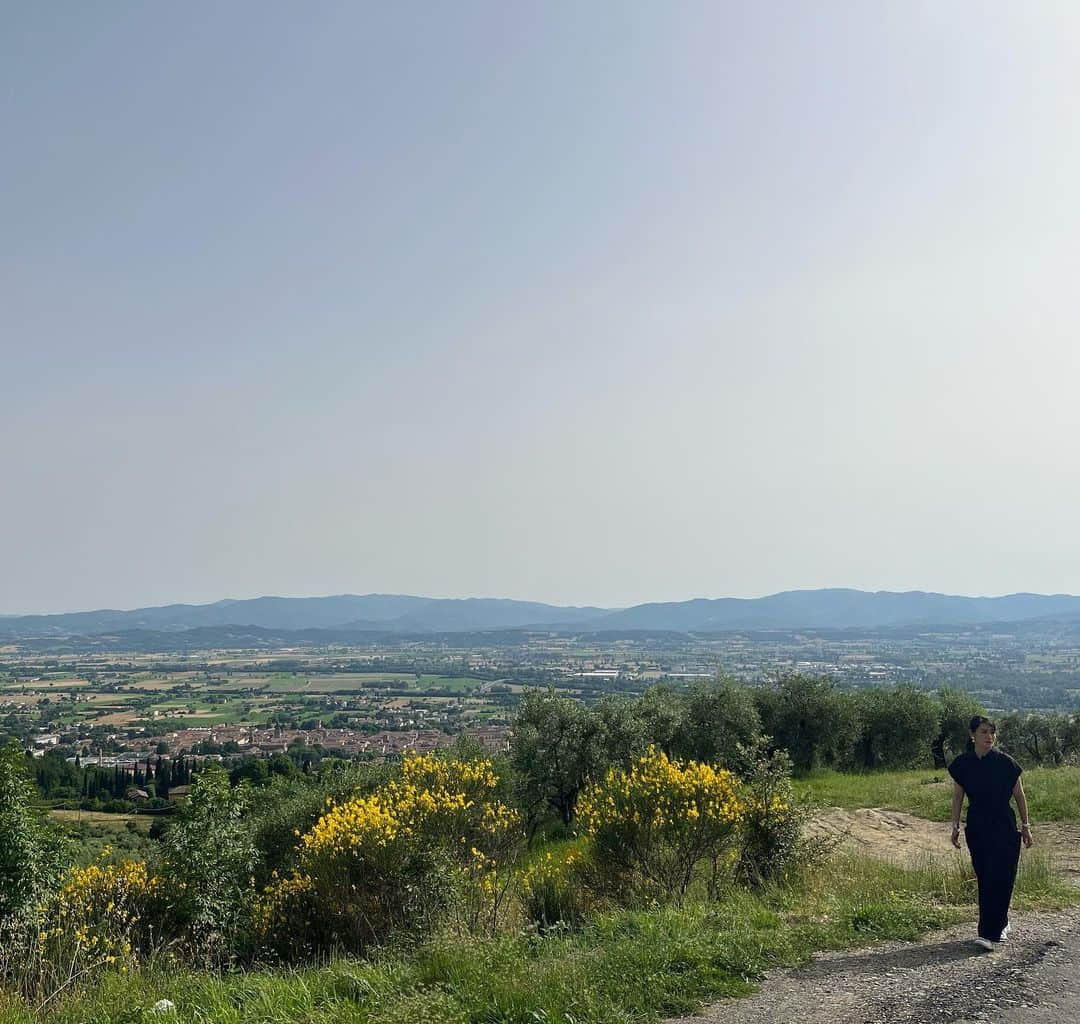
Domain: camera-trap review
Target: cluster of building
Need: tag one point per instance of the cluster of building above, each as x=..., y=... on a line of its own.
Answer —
x=257, y=741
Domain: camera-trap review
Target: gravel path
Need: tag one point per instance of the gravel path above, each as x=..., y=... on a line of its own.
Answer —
x=944, y=979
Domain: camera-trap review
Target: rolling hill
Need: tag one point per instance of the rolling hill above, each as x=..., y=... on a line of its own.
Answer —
x=350, y=614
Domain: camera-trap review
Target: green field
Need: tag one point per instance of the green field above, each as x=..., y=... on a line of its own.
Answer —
x=1053, y=793
x=455, y=684
x=290, y=682
x=89, y=833
x=98, y=819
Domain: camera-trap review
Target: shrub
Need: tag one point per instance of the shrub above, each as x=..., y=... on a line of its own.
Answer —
x=621, y=737
x=117, y=806
x=1052, y=739
x=955, y=711
x=654, y=824
x=556, y=746
x=103, y=914
x=771, y=842
x=899, y=726
x=717, y=719
x=31, y=853
x=551, y=891
x=290, y=806
x=101, y=917
x=385, y=861
x=208, y=856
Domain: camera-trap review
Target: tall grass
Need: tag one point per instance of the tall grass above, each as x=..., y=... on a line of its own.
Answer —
x=625, y=966
x=13, y=1011
x=1053, y=793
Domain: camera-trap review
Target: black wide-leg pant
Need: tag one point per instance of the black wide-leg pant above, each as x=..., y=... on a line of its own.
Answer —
x=995, y=854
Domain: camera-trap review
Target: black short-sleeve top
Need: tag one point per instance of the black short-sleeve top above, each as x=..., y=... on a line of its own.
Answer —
x=988, y=782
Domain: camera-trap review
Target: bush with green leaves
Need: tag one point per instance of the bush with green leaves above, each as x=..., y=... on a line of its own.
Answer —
x=772, y=841
x=621, y=736
x=955, y=711
x=208, y=857
x=1034, y=739
x=556, y=747
x=718, y=719
x=290, y=806
x=32, y=854
x=432, y=845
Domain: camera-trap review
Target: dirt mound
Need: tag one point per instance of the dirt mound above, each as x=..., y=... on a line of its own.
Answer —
x=900, y=837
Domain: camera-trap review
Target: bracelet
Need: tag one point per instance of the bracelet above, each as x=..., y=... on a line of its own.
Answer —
x=1025, y=824
x=956, y=826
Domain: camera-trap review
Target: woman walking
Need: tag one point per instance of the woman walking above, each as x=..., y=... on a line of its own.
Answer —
x=990, y=779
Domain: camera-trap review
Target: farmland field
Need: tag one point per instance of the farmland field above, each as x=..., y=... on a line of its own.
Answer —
x=89, y=819
x=140, y=703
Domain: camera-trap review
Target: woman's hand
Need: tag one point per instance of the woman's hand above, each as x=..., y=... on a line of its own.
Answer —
x=957, y=805
x=1025, y=834
x=956, y=837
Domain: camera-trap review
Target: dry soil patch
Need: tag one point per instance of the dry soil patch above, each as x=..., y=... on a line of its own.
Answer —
x=906, y=839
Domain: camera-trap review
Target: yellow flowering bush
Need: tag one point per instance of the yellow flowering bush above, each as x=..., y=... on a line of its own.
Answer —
x=283, y=916
x=480, y=883
x=551, y=892
x=474, y=778
x=102, y=915
x=484, y=864
x=654, y=823
x=387, y=860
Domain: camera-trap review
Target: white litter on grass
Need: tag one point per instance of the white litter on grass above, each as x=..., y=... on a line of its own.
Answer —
x=164, y=1006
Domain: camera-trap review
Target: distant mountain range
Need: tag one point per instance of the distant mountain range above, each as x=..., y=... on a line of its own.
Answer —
x=370, y=612
x=349, y=614
x=840, y=609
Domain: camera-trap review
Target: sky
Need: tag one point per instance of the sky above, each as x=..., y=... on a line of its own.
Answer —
x=584, y=303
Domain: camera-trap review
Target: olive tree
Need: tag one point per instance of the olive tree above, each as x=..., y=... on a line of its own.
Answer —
x=719, y=719
x=898, y=727
x=811, y=719
x=555, y=747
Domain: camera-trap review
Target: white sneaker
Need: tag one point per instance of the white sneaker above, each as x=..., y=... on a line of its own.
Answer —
x=1005, y=932
x=984, y=944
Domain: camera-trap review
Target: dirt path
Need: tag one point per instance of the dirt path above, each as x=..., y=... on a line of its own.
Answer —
x=893, y=835
x=1034, y=978
x=945, y=979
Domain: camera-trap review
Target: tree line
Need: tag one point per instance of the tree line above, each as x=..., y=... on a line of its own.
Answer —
x=93, y=787
x=559, y=743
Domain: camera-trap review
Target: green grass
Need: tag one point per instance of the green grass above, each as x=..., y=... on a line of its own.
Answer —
x=88, y=840
x=454, y=684
x=14, y=1011
x=626, y=966
x=1053, y=793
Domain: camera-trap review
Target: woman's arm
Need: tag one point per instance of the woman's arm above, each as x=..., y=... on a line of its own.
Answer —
x=957, y=804
x=1021, y=806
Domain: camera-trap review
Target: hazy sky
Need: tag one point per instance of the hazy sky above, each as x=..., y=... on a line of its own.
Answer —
x=584, y=302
